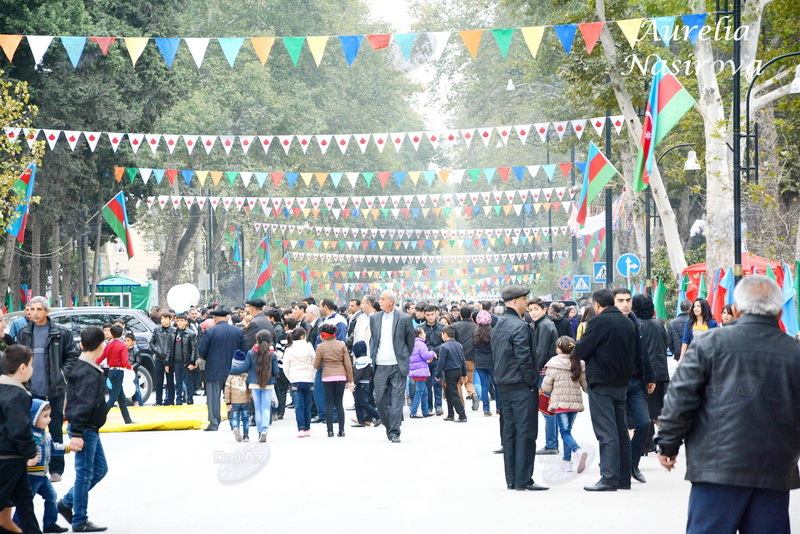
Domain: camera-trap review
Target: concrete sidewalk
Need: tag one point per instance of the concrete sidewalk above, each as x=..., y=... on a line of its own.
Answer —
x=442, y=478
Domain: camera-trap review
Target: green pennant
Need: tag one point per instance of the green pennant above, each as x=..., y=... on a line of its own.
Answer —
x=294, y=45
x=503, y=37
x=342, y=244
x=447, y=211
x=131, y=173
x=702, y=292
x=385, y=213
x=452, y=242
x=231, y=176
x=368, y=176
x=770, y=273
x=658, y=299
x=384, y=274
x=497, y=210
x=389, y=245
x=474, y=173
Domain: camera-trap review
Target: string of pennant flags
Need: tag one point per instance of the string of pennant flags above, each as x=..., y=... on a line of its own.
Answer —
x=401, y=233
x=446, y=137
x=416, y=273
x=663, y=30
x=415, y=289
x=427, y=259
x=446, y=177
x=416, y=201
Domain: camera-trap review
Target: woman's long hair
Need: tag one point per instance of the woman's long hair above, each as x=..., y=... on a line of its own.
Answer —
x=566, y=344
x=705, y=311
x=295, y=334
x=483, y=334
x=264, y=362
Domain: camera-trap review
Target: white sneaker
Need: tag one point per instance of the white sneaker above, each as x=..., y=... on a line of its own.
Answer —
x=237, y=434
x=580, y=455
x=566, y=466
x=262, y=438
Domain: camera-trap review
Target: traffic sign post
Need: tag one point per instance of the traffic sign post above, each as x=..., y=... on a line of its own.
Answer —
x=580, y=283
x=599, y=272
x=628, y=265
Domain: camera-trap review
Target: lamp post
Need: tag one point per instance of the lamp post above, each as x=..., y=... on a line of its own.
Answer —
x=690, y=165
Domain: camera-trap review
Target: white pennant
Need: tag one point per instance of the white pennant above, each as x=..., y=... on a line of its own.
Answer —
x=352, y=177
x=114, y=138
x=171, y=141
x=522, y=131
x=415, y=138
x=617, y=121
x=145, y=172
x=504, y=132
x=468, y=135
x=39, y=45
x=197, y=47
x=265, y=141
x=324, y=141
x=285, y=142
x=362, y=140
x=246, y=141
x=135, y=139
x=380, y=141
x=533, y=170
x=485, y=134
x=578, y=126
x=227, y=142
x=190, y=141
x=246, y=177
x=150, y=202
x=52, y=137
x=30, y=136
x=541, y=129
x=560, y=128
x=598, y=123
x=162, y=201
x=438, y=42
x=176, y=202
x=72, y=137
x=397, y=139
x=152, y=141
x=304, y=141
x=12, y=133
x=208, y=142
x=342, y=141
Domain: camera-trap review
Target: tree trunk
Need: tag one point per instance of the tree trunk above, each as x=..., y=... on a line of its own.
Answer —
x=178, y=247
x=67, y=265
x=36, y=262
x=55, y=264
x=677, y=260
x=96, y=263
x=8, y=263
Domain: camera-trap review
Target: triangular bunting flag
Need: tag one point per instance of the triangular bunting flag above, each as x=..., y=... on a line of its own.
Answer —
x=197, y=47
x=262, y=46
x=590, y=31
x=317, y=45
x=533, y=38
x=566, y=34
x=135, y=46
x=74, y=47
x=230, y=47
x=472, y=40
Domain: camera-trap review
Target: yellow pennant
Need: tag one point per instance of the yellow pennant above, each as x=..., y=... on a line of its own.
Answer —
x=317, y=45
x=201, y=176
x=135, y=47
x=414, y=175
x=306, y=176
x=533, y=38
x=630, y=28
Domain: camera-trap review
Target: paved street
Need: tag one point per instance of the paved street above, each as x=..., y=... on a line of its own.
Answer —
x=442, y=478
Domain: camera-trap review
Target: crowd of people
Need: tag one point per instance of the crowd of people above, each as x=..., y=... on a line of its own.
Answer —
x=528, y=355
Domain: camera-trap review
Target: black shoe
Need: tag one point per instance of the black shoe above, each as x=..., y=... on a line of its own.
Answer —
x=65, y=512
x=461, y=420
x=429, y=415
x=475, y=403
x=210, y=428
x=395, y=439
x=510, y=486
x=601, y=486
x=359, y=425
x=439, y=411
x=330, y=433
x=415, y=416
x=290, y=406
x=317, y=420
x=637, y=475
x=532, y=487
x=624, y=488
x=498, y=451
x=341, y=434
x=449, y=419
x=280, y=417
x=376, y=422
x=545, y=450
x=55, y=527
x=88, y=527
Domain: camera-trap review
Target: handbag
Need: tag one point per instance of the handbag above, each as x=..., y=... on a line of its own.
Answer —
x=544, y=403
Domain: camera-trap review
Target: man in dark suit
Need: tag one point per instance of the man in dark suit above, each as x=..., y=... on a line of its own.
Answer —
x=609, y=346
x=255, y=308
x=391, y=343
x=220, y=342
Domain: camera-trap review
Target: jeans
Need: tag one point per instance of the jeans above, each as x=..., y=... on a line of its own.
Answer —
x=262, y=399
x=137, y=397
x=334, y=393
x=486, y=377
x=564, y=421
x=56, y=428
x=365, y=410
x=550, y=427
x=240, y=416
x=607, y=407
x=117, y=395
x=319, y=395
x=420, y=399
x=15, y=490
x=302, y=393
x=638, y=418
x=184, y=382
x=90, y=468
x=158, y=381
x=721, y=508
x=434, y=387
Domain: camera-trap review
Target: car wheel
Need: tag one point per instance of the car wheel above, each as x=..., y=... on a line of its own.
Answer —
x=145, y=383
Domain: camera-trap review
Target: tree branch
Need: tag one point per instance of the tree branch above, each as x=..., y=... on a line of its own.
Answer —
x=757, y=104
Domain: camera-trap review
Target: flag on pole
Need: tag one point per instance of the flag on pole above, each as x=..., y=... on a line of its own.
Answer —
x=306, y=277
x=232, y=237
x=116, y=216
x=598, y=172
x=284, y=267
x=23, y=188
x=659, y=295
x=682, y=293
x=263, y=249
x=263, y=282
x=702, y=292
x=789, y=317
x=668, y=102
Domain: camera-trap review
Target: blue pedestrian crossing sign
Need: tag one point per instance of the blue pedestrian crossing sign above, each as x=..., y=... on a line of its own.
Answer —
x=628, y=265
x=580, y=283
x=599, y=276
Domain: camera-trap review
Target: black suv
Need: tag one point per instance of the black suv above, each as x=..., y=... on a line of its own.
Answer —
x=137, y=321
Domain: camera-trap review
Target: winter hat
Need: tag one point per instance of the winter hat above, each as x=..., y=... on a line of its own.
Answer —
x=483, y=317
x=239, y=356
x=36, y=409
x=359, y=349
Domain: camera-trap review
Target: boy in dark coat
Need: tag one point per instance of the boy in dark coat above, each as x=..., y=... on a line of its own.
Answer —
x=362, y=376
x=452, y=367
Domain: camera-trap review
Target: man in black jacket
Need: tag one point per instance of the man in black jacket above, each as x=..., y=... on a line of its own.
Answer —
x=54, y=355
x=181, y=362
x=609, y=347
x=544, y=341
x=735, y=402
x=433, y=337
x=465, y=331
x=86, y=412
x=161, y=347
x=640, y=385
x=255, y=308
x=517, y=379
x=675, y=329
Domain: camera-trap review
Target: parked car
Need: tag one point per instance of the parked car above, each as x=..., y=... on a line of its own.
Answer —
x=76, y=319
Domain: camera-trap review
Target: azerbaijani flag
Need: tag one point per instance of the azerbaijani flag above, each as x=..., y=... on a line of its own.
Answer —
x=305, y=275
x=668, y=102
x=263, y=282
x=116, y=216
x=283, y=266
x=232, y=237
x=23, y=188
x=599, y=171
x=263, y=249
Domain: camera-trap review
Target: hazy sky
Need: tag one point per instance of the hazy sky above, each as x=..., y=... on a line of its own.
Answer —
x=392, y=11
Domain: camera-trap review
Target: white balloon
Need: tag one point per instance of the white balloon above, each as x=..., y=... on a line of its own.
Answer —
x=181, y=297
x=128, y=383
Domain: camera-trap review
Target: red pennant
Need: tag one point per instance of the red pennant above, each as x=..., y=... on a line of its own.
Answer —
x=104, y=43
x=591, y=33
x=379, y=41
x=276, y=177
x=565, y=168
x=383, y=178
x=503, y=172
x=172, y=174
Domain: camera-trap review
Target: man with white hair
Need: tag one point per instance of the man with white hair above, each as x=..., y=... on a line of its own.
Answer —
x=54, y=355
x=735, y=402
x=391, y=343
